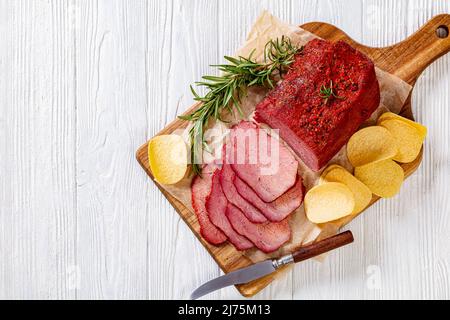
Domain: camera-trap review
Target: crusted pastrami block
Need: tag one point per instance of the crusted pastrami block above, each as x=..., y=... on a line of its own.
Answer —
x=316, y=125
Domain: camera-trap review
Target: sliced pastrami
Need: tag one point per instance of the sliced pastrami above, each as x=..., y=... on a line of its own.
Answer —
x=280, y=208
x=267, y=237
x=201, y=187
x=226, y=179
x=216, y=205
x=261, y=161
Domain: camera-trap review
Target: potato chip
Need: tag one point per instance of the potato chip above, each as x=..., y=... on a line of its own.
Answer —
x=408, y=139
x=327, y=169
x=371, y=144
x=168, y=158
x=361, y=192
x=383, y=178
x=392, y=116
x=328, y=202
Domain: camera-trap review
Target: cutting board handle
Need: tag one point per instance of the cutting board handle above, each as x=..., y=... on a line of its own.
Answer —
x=406, y=59
x=409, y=58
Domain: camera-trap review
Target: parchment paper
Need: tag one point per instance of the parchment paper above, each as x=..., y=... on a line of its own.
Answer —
x=394, y=93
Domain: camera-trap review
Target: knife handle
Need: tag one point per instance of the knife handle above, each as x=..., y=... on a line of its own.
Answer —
x=323, y=246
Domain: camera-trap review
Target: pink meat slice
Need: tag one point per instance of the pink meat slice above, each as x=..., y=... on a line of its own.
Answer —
x=267, y=237
x=201, y=187
x=216, y=205
x=227, y=176
x=280, y=208
x=270, y=173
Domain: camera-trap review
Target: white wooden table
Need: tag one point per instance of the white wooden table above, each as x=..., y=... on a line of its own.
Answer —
x=84, y=83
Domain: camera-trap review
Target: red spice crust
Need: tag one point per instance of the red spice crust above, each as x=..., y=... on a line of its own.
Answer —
x=317, y=129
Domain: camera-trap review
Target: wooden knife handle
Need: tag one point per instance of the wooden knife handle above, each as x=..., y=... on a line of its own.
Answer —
x=323, y=246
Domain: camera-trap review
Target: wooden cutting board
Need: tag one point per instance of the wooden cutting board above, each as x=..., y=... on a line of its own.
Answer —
x=406, y=60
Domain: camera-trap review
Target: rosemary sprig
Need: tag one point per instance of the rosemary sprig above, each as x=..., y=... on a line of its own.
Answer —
x=327, y=93
x=226, y=90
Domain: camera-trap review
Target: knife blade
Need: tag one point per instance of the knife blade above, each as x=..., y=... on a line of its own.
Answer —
x=267, y=267
x=240, y=276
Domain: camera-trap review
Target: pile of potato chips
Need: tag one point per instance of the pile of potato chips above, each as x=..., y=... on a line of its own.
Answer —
x=375, y=153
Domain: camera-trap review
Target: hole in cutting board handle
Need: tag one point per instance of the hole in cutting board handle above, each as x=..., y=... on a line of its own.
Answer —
x=442, y=32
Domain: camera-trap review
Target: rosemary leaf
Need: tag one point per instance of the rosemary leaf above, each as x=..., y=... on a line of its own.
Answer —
x=226, y=90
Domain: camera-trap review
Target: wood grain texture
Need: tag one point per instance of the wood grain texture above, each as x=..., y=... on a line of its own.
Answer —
x=406, y=59
x=77, y=215
x=37, y=171
x=112, y=102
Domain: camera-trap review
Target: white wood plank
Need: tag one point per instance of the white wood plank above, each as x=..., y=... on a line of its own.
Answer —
x=37, y=162
x=399, y=222
x=431, y=208
x=112, y=101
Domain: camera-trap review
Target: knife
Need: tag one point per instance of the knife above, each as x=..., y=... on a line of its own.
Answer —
x=264, y=268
